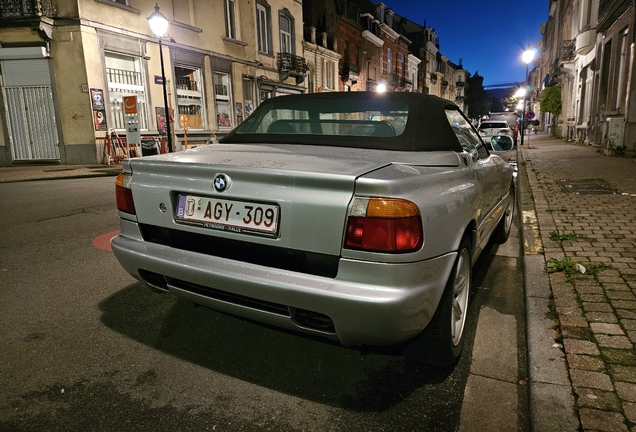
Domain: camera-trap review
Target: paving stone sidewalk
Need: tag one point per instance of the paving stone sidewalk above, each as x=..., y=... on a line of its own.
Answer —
x=586, y=209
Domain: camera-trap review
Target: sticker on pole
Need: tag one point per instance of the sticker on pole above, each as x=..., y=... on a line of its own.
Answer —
x=130, y=104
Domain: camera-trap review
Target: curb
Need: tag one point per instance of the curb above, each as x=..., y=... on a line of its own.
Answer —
x=551, y=399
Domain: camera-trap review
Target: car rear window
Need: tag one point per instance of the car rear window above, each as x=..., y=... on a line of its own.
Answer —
x=492, y=125
x=358, y=118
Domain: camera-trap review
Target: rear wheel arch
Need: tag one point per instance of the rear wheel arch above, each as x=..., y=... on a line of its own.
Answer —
x=441, y=342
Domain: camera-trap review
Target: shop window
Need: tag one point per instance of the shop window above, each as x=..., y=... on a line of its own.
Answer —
x=125, y=78
x=189, y=95
x=222, y=100
x=265, y=94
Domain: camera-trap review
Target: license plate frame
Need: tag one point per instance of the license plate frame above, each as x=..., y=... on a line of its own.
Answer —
x=230, y=215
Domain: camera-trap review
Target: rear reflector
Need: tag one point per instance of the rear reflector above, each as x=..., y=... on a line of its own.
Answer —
x=384, y=225
x=124, y=194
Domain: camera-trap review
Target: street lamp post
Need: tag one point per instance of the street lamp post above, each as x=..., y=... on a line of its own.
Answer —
x=527, y=57
x=159, y=26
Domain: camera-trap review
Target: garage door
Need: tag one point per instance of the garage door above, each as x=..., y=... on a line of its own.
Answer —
x=28, y=102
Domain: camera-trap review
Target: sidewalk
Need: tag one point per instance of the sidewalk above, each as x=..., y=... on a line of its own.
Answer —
x=579, y=206
x=55, y=172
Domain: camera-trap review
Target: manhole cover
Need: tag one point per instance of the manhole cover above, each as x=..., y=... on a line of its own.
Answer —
x=587, y=187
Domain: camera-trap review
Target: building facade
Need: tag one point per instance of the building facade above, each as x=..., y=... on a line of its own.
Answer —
x=221, y=58
x=67, y=67
x=588, y=50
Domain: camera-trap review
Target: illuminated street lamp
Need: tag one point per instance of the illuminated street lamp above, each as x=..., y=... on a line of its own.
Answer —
x=527, y=57
x=159, y=26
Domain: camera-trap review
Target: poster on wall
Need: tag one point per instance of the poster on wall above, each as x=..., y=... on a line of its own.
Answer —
x=223, y=116
x=239, y=112
x=160, y=113
x=99, y=110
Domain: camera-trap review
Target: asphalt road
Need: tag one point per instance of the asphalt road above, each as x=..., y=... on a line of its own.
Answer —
x=83, y=346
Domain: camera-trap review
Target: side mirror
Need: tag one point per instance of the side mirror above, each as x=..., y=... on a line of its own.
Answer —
x=501, y=143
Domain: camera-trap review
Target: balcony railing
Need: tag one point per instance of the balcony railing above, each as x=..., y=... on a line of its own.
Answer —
x=460, y=83
x=123, y=76
x=291, y=63
x=610, y=10
x=221, y=90
x=444, y=83
x=405, y=82
x=568, y=52
x=187, y=84
x=605, y=6
x=26, y=9
x=350, y=71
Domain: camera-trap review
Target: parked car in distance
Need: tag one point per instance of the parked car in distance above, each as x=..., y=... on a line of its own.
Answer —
x=353, y=216
x=509, y=117
x=489, y=128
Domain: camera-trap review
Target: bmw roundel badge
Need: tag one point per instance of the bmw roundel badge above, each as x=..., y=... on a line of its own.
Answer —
x=221, y=183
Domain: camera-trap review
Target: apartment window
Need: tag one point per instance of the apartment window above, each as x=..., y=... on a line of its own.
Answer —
x=125, y=78
x=328, y=74
x=230, y=19
x=222, y=100
x=587, y=13
x=265, y=94
x=263, y=26
x=623, y=57
x=402, y=65
x=345, y=58
x=388, y=61
x=189, y=95
x=286, y=25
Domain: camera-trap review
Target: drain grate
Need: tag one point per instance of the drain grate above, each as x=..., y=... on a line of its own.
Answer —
x=587, y=187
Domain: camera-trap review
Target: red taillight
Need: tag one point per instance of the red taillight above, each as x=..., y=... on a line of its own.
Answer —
x=384, y=225
x=124, y=194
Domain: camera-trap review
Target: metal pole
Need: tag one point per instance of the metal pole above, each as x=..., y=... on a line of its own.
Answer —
x=525, y=98
x=165, y=98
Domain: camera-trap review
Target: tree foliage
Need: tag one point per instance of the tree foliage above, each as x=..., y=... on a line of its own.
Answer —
x=477, y=99
x=551, y=100
x=551, y=103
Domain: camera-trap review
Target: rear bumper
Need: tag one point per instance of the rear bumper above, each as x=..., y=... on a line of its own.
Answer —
x=369, y=303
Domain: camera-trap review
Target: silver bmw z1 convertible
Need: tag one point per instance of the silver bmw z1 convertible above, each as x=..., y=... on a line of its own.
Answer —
x=353, y=216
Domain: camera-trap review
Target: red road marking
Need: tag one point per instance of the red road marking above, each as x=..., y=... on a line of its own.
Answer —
x=103, y=241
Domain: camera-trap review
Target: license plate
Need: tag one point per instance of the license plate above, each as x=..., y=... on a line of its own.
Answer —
x=228, y=215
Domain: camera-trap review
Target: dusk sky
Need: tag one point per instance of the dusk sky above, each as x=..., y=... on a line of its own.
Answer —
x=489, y=35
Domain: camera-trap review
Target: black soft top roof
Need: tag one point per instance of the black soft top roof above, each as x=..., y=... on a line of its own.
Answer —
x=427, y=127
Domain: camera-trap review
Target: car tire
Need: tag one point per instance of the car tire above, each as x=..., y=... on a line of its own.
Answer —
x=502, y=232
x=442, y=341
